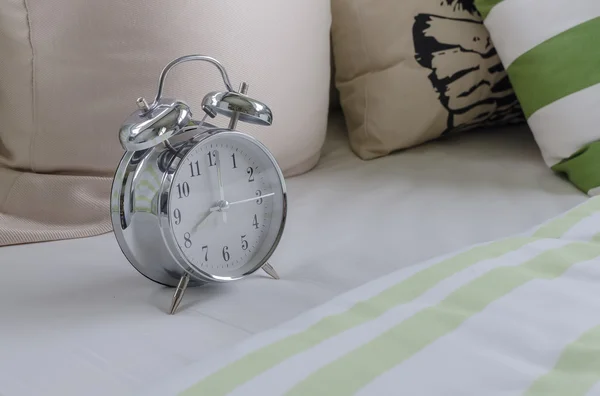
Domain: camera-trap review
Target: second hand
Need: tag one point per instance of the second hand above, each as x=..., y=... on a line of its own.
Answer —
x=225, y=207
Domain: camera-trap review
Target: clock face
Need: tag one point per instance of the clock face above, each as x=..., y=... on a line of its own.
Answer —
x=226, y=206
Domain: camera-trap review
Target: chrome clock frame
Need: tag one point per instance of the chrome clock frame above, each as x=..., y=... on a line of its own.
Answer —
x=140, y=209
x=156, y=137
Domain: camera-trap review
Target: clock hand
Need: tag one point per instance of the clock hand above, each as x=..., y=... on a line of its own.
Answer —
x=220, y=178
x=202, y=220
x=251, y=199
x=226, y=205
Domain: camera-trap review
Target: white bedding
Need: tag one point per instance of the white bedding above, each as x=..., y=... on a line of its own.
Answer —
x=77, y=319
x=517, y=316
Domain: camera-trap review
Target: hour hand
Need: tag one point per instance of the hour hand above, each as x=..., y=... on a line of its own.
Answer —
x=202, y=220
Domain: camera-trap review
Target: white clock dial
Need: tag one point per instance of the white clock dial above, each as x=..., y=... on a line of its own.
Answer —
x=226, y=206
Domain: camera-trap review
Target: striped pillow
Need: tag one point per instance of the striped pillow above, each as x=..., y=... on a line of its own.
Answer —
x=551, y=51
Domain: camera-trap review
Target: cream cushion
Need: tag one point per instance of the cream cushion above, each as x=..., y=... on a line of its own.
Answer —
x=411, y=71
x=70, y=73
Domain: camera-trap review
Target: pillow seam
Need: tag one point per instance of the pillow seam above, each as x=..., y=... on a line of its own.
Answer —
x=33, y=90
x=366, y=55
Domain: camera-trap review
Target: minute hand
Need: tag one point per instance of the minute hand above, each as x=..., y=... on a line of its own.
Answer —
x=220, y=180
x=219, y=208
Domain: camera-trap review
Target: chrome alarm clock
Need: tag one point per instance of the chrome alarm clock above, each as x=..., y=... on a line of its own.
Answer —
x=193, y=203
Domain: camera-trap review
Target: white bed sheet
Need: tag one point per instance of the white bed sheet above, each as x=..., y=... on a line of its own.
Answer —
x=77, y=319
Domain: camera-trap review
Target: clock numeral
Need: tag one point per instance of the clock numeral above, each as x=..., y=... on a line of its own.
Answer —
x=255, y=222
x=205, y=250
x=244, y=243
x=233, y=158
x=211, y=155
x=188, y=241
x=195, y=169
x=177, y=215
x=183, y=189
x=250, y=173
x=259, y=200
x=226, y=255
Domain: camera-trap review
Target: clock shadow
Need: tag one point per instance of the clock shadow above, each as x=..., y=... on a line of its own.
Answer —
x=264, y=276
x=194, y=297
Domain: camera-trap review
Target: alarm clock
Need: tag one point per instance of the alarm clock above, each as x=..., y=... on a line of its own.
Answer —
x=193, y=203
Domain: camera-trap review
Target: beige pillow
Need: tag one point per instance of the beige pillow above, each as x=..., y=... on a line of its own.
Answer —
x=70, y=72
x=410, y=71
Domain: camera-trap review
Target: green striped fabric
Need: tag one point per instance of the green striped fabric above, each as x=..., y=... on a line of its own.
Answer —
x=550, y=51
x=519, y=312
x=580, y=359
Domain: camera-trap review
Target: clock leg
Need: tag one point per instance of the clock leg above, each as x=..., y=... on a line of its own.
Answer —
x=179, y=292
x=268, y=268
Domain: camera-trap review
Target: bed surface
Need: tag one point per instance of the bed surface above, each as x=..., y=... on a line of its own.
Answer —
x=516, y=316
x=76, y=318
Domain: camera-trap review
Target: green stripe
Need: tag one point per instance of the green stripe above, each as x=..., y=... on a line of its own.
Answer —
x=239, y=372
x=259, y=361
x=583, y=167
x=577, y=369
x=558, y=227
x=485, y=6
x=560, y=66
x=350, y=373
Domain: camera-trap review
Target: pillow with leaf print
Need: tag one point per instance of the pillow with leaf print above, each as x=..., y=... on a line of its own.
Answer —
x=412, y=71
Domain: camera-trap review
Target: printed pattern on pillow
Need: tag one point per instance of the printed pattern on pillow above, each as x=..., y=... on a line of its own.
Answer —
x=551, y=52
x=411, y=71
x=464, y=64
